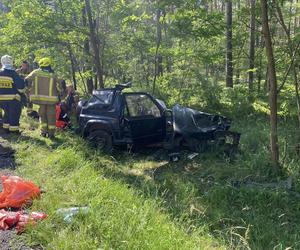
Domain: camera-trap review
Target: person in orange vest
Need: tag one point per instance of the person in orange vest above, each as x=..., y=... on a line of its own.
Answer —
x=45, y=91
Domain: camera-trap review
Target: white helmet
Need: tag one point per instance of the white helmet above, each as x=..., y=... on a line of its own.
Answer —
x=6, y=60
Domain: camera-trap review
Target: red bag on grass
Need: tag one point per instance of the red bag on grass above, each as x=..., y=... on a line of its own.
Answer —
x=17, y=192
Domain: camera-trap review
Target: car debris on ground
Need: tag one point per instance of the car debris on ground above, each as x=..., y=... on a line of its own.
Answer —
x=69, y=213
x=192, y=156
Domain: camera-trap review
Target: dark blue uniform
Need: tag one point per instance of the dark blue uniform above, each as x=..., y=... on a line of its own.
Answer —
x=11, y=85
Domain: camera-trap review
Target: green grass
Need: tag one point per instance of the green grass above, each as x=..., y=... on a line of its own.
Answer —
x=140, y=201
x=120, y=217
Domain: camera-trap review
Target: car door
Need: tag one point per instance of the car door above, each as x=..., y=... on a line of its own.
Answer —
x=144, y=118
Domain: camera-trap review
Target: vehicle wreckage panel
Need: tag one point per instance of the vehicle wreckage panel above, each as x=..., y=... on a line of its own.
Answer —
x=193, y=124
x=189, y=121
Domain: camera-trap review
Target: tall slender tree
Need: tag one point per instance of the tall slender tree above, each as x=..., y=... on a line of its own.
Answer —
x=86, y=51
x=273, y=84
x=95, y=44
x=158, y=57
x=293, y=50
x=229, y=57
x=252, y=45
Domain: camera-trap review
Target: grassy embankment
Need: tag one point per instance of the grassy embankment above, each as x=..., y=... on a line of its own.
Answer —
x=139, y=201
x=120, y=216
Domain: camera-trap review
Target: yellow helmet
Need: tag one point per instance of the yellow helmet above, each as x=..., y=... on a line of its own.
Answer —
x=45, y=62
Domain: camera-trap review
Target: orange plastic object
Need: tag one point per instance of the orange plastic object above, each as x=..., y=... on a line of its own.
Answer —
x=19, y=220
x=17, y=192
x=59, y=123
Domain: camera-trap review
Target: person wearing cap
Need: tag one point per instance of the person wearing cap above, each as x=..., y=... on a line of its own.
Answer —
x=44, y=91
x=11, y=86
x=24, y=71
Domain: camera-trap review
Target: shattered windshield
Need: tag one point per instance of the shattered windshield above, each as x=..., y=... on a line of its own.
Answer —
x=141, y=105
x=104, y=96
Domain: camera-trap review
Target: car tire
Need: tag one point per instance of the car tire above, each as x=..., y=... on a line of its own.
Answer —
x=101, y=140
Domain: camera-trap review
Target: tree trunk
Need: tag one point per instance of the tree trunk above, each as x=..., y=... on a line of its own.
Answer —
x=259, y=74
x=86, y=50
x=159, y=59
x=169, y=44
x=95, y=44
x=260, y=45
x=292, y=52
x=73, y=67
x=229, y=58
x=252, y=46
x=273, y=85
x=158, y=56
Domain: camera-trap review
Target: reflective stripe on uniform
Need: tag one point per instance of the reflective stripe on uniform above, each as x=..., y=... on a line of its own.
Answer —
x=36, y=85
x=6, y=78
x=44, y=98
x=51, y=87
x=6, y=85
x=13, y=128
x=6, y=82
x=5, y=125
x=10, y=97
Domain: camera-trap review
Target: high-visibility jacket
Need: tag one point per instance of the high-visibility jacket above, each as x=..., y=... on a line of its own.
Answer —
x=11, y=85
x=44, y=87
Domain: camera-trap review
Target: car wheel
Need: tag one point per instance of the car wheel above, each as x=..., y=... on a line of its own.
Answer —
x=101, y=139
x=196, y=145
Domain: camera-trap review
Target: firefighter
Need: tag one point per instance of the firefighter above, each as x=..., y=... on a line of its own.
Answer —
x=44, y=91
x=24, y=71
x=11, y=86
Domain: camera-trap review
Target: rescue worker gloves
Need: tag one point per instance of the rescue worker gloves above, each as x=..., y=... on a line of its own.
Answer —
x=45, y=62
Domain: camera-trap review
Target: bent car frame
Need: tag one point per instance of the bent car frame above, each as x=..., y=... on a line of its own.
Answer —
x=113, y=117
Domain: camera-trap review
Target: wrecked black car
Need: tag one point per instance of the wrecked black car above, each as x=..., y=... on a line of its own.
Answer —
x=197, y=129
x=113, y=117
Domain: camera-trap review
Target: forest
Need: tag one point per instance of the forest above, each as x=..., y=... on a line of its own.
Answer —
x=235, y=58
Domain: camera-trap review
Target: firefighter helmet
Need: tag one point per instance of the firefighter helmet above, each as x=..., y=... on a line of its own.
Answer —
x=45, y=62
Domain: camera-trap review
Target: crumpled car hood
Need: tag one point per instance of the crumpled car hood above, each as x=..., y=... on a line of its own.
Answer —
x=189, y=121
